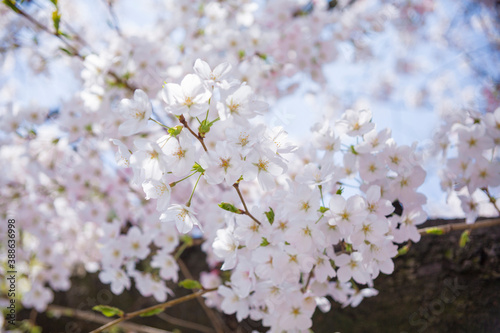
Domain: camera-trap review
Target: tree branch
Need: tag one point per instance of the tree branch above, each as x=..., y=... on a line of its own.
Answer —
x=96, y=318
x=162, y=306
x=246, y=212
x=216, y=323
x=197, y=136
x=443, y=229
x=74, y=51
x=47, y=30
x=184, y=323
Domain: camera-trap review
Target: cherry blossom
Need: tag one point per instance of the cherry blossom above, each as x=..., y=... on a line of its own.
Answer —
x=190, y=96
x=201, y=148
x=137, y=112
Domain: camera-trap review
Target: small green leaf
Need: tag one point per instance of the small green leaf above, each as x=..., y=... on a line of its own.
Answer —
x=348, y=247
x=54, y=2
x=263, y=56
x=241, y=54
x=11, y=4
x=464, y=238
x=353, y=150
x=270, y=215
x=448, y=254
x=56, y=18
x=174, y=131
x=322, y=209
x=187, y=239
x=190, y=284
x=65, y=35
x=435, y=231
x=151, y=312
x=340, y=190
x=404, y=250
x=230, y=208
x=66, y=51
x=204, y=127
x=265, y=242
x=108, y=311
x=197, y=168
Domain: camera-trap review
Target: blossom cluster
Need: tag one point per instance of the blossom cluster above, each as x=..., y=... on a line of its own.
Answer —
x=289, y=244
x=470, y=144
x=294, y=225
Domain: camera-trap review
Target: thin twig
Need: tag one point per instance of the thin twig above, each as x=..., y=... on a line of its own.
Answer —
x=27, y=16
x=162, y=306
x=197, y=136
x=74, y=51
x=122, y=81
x=114, y=18
x=216, y=323
x=184, y=323
x=443, y=229
x=309, y=277
x=96, y=318
x=246, y=212
x=492, y=199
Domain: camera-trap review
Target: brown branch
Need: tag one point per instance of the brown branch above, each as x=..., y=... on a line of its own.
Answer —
x=311, y=274
x=96, y=318
x=74, y=51
x=443, y=229
x=47, y=30
x=162, y=306
x=114, y=18
x=216, y=323
x=492, y=199
x=246, y=212
x=122, y=81
x=197, y=136
x=184, y=323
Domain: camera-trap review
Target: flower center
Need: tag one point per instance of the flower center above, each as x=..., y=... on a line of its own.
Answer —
x=188, y=102
x=262, y=165
x=224, y=163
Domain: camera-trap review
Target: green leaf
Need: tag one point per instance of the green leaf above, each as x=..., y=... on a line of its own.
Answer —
x=54, y=2
x=108, y=311
x=435, y=231
x=11, y=4
x=265, y=242
x=66, y=51
x=204, y=127
x=464, y=238
x=263, y=56
x=353, y=150
x=322, y=209
x=197, y=168
x=56, y=18
x=187, y=239
x=404, y=250
x=340, y=190
x=174, y=131
x=190, y=284
x=270, y=215
x=348, y=247
x=65, y=35
x=241, y=54
x=230, y=208
x=151, y=312
x=36, y=329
